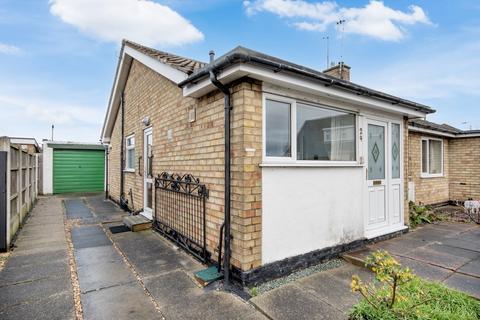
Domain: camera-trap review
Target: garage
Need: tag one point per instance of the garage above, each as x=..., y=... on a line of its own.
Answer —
x=73, y=167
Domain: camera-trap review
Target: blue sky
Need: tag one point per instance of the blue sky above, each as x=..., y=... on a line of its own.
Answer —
x=58, y=57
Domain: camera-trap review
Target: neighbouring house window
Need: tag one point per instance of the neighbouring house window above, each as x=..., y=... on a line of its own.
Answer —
x=325, y=134
x=130, y=153
x=432, y=157
x=277, y=125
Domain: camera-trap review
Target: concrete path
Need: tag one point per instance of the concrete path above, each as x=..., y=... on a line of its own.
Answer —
x=324, y=295
x=68, y=264
x=35, y=282
x=447, y=252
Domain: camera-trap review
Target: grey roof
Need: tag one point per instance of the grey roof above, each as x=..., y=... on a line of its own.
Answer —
x=445, y=128
x=185, y=65
x=245, y=55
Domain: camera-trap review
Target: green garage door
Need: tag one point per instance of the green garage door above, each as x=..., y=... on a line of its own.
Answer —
x=78, y=170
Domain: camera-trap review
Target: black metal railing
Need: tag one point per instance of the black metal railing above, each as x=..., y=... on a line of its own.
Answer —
x=180, y=212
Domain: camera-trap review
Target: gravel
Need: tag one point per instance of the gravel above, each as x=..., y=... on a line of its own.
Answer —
x=267, y=286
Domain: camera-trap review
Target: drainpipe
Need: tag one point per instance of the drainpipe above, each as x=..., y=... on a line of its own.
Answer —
x=227, y=117
x=106, y=171
x=122, y=143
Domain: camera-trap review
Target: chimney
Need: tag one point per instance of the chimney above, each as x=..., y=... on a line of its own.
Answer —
x=340, y=71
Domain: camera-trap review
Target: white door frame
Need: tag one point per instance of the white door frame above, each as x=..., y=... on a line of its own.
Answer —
x=393, y=187
x=147, y=212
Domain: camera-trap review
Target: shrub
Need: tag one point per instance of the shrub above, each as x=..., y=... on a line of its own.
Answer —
x=420, y=214
x=397, y=293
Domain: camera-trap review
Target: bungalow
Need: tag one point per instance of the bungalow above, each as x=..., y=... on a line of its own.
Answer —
x=284, y=164
x=443, y=163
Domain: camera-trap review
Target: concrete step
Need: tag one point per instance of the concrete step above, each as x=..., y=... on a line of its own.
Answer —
x=357, y=257
x=137, y=223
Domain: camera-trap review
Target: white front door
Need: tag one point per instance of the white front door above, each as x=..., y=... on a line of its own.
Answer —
x=384, y=173
x=147, y=174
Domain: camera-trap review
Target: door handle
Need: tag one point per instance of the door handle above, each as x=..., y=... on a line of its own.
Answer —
x=139, y=162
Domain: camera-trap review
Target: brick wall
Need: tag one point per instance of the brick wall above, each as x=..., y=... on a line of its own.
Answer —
x=464, y=168
x=197, y=148
x=427, y=190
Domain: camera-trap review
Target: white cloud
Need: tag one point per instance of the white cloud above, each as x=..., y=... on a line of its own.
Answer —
x=51, y=112
x=143, y=21
x=9, y=49
x=33, y=117
x=374, y=19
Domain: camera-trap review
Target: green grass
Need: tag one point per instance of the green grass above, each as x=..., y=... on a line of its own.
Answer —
x=439, y=303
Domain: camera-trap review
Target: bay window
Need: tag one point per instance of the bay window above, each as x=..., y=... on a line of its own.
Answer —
x=432, y=157
x=297, y=131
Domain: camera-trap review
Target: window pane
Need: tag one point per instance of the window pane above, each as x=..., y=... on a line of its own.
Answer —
x=435, y=151
x=324, y=134
x=277, y=129
x=376, y=152
x=130, y=159
x=395, y=150
x=424, y=156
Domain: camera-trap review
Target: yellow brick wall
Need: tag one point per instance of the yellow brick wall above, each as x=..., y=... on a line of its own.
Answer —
x=198, y=148
x=427, y=190
x=464, y=168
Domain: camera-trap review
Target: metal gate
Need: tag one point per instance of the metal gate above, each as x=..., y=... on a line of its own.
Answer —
x=180, y=212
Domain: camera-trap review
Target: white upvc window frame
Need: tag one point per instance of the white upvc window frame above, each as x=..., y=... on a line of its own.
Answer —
x=292, y=160
x=127, y=149
x=427, y=174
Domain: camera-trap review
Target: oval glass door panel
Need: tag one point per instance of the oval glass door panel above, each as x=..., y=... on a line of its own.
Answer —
x=376, y=152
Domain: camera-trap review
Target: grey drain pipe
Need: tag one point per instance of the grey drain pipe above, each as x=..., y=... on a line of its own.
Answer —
x=227, y=116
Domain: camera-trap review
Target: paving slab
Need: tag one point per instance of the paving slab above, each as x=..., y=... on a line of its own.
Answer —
x=13, y=274
x=89, y=236
x=472, y=268
x=424, y=270
x=56, y=307
x=465, y=283
x=458, y=252
x=95, y=255
x=34, y=290
x=333, y=290
x=103, y=275
x=36, y=258
x=434, y=257
x=126, y=301
x=472, y=235
x=460, y=243
x=168, y=287
x=291, y=302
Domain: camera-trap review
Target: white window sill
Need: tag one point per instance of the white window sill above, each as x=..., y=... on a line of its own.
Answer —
x=428, y=176
x=128, y=170
x=311, y=165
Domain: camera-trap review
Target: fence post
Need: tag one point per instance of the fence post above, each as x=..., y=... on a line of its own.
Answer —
x=4, y=193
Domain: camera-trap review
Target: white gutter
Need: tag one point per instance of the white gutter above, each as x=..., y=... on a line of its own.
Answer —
x=443, y=134
x=286, y=80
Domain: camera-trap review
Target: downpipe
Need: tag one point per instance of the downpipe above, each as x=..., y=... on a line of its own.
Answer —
x=227, y=169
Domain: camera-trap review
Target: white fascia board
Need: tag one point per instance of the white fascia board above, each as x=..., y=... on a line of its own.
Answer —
x=444, y=134
x=164, y=69
x=120, y=79
x=430, y=131
x=286, y=80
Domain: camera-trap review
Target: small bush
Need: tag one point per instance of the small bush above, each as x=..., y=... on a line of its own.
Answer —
x=399, y=294
x=420, y=214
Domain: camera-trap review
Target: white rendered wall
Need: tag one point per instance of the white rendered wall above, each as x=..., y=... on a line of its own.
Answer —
x=306, y=209
x=47, y=170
